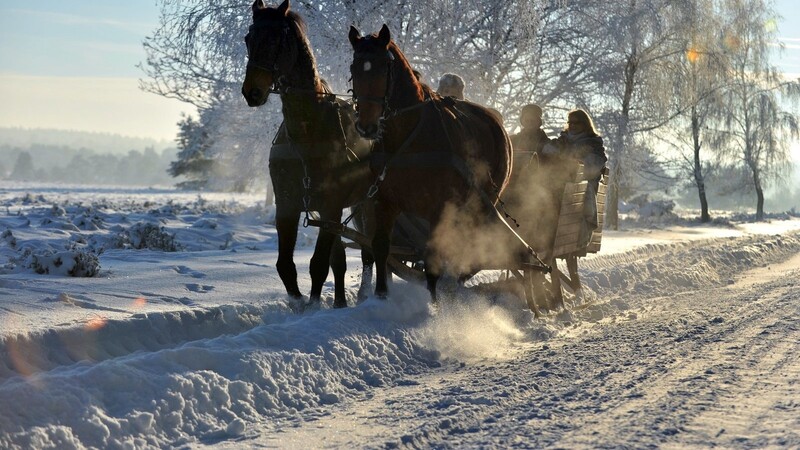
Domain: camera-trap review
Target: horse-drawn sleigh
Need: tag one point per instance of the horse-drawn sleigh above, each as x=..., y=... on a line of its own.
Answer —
x=434, y=175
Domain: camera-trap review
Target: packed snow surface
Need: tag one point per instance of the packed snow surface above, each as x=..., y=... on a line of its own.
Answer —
x=156, y=319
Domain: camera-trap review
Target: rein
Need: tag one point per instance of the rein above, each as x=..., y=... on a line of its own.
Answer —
x=288, y=90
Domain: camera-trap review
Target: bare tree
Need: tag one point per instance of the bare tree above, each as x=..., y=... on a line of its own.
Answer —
x=697, y=77
x=630, y=101
x=757, y=127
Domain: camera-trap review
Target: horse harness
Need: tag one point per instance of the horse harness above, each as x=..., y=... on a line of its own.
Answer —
x=401, y=159
x=295, y=149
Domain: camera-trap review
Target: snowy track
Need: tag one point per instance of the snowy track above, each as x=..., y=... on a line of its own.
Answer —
x=713, y=366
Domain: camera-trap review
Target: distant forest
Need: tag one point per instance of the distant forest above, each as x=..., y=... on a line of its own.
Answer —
x=84, y=158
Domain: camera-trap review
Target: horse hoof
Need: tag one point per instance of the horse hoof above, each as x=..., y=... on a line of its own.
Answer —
x=313, y=304
x=296, y=303
x=381, y=295
x=340, y=304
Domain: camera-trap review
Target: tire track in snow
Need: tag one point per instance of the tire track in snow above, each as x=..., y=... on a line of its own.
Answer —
x=696, y=367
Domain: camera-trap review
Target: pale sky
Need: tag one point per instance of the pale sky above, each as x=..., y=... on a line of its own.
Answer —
x=72, y=65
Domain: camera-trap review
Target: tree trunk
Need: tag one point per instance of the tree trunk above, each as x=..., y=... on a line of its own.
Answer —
x=621, y=142
x=759, y=196
x=612, y=202
x=698, y=169
x=759, y=204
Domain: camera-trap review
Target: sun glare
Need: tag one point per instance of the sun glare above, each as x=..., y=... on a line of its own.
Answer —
x=96, y=323
x=692, y=55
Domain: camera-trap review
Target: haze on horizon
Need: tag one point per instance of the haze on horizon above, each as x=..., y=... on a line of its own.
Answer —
x=73, y=66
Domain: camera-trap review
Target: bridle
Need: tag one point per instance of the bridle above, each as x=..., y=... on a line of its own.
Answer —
x=386, y=60
x=272, y=63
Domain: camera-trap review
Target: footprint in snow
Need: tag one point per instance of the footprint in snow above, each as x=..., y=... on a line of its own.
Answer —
x=199, y=288
x=183, y=270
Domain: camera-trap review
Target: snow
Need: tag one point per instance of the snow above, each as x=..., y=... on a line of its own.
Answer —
x=154, y=318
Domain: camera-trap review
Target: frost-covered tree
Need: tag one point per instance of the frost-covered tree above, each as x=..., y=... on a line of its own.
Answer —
x=193, y=161
x=629, y=101
x=697, y=77
x=23, y=167
x=510, y=52
x=757, y=127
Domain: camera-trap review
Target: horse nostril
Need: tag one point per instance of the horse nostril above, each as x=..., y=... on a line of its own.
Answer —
x=369, y=131
x=256, y=93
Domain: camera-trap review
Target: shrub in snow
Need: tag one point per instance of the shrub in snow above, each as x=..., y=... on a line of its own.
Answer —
x=30, y=199
x=57, y=211
x=87, y=222
x=75, y=263
x=658, y=208
x=640, y=200
x=9, y=238
x=625, y=208
x=143, y=235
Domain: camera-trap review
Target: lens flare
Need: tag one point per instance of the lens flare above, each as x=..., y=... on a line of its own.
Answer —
x=139, y=303
x=692, y=55
x=96, y=323
x=22, y=355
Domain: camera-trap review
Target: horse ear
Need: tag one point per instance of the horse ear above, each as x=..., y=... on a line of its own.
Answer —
x=384, y=35
x=258, y=4
x=284, y=8
x=354, y=35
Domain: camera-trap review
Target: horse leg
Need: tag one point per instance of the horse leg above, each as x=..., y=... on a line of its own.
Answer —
x=287, y=238
x=338, y=263
x=320, y=263
x=381, y=243
x=364, y=215
x=367, y=260
x=433, y=271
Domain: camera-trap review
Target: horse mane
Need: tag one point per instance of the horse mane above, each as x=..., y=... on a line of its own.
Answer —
x=306, y=59
x=403, y=71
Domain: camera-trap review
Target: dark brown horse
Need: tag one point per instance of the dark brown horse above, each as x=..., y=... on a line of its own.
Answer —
x=317, y=162
x=443, y=160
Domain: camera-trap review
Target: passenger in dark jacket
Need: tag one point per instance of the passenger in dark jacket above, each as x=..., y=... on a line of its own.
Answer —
x=531, y=139
x=580, y=141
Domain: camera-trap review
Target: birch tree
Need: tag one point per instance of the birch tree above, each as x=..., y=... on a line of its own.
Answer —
x=697, y=76
x=757, y=127
x=641, y=36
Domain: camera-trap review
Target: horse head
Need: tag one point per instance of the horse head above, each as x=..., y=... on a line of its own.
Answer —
x=371, y=73
x=272, y=50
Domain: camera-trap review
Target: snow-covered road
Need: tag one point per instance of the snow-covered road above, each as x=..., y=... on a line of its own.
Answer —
x=688, y=338
x=716, y=365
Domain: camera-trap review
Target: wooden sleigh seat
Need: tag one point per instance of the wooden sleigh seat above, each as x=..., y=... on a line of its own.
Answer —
x=567, y=245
